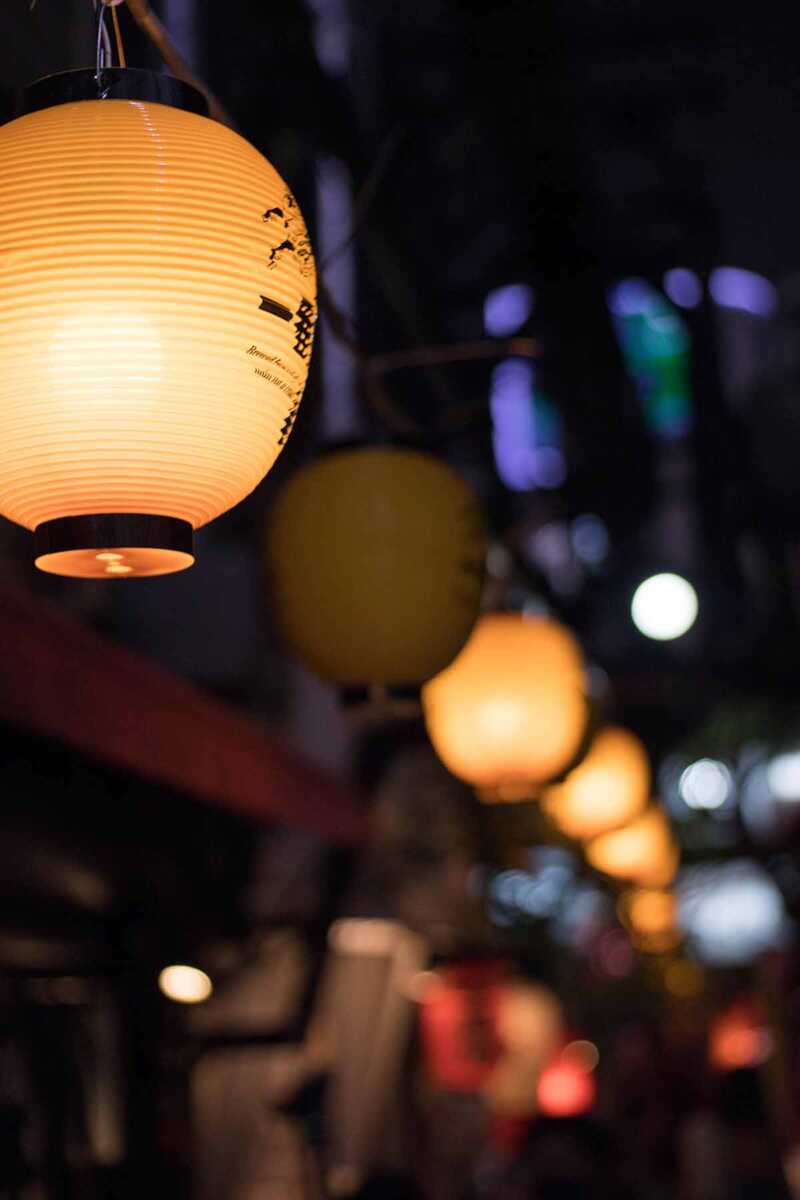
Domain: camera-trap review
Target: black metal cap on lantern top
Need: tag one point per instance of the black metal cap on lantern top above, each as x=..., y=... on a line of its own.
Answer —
x=112, y=83
x=114, y=545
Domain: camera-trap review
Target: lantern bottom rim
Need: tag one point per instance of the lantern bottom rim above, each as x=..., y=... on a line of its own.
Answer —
x=114, y=546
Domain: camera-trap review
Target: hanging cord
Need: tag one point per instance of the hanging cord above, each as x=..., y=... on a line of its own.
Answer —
x=103, y=56
x=369, y=190
x=123, y=62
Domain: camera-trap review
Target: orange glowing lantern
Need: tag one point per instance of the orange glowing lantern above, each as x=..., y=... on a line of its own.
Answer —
x=643, y=852
x=158, y=308
x=376, y=560
x=608, y=789
x=510, y=712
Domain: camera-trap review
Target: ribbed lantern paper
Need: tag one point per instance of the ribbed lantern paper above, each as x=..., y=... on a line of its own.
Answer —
x=156, y=319
x=509, y=713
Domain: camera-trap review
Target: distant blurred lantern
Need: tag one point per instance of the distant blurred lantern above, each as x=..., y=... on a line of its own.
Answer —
x=157, y=320
x=739, y=1036
x=651, y=917
x=459, y=1018
x=486, y=1032
x=608, y=789
x=376, y=556
x=510, y=713
x=567, y=1087
x=529, y=1026
x=644, y=852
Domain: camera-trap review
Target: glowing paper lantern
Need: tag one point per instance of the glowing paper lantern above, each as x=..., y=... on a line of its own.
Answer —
x=608, y=789
x=376, y=560
x=510, y=712
x=459, y=1018
x=158, y=307
x=485, y=1032
x=644, y=852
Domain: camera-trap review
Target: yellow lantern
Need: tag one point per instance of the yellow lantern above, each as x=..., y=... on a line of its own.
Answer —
x=376, y=560
x=643, y=852
x=158, y=304
x=608, y=789
x=510, y=712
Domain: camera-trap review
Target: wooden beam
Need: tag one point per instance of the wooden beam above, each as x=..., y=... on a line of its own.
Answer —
x=62, y=680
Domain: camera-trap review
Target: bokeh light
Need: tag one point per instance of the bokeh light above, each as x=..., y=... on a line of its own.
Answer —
x=683, y=287
x=566, y=1089
x=664, y=607
x=184, y=984
x=706, y=784
x=732, y=911
x=739, y=1037
x=507, y=308
x=783, y=777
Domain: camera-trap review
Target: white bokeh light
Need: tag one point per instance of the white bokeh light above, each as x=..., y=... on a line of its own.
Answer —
x=664, y=607
x=732, y=911
x=783, y=777
x=705, y=784
x=184, y=984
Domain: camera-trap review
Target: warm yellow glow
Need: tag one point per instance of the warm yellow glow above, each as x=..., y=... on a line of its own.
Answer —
x=376, y=560
x=608, y=789
x=649, y=911
x=185, y=985
x=644, y=852
x=510, y=711
x=156, y=314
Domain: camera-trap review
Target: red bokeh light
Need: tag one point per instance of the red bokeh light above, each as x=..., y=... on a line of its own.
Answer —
x=566, y=1090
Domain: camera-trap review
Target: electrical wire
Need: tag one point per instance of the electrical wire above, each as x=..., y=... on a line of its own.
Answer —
x=103, y=57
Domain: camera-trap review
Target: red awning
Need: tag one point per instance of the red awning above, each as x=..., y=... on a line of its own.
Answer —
x=64, y=681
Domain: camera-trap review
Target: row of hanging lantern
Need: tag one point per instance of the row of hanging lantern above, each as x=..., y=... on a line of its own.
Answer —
x=375, y=556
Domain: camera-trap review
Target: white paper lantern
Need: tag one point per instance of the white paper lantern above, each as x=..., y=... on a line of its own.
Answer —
x=156, y=318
